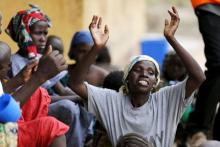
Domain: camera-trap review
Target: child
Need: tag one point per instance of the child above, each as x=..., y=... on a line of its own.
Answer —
x=81, y=44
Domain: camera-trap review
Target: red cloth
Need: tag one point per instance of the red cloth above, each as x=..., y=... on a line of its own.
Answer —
x=36, y=106
x=35, y=128
x=40, y=132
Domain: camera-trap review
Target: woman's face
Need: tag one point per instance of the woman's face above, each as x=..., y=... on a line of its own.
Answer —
x=38, y=33
x=80, y=50
x=142, y=77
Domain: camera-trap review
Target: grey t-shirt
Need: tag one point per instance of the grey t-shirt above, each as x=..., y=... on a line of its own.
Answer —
x=156, y=120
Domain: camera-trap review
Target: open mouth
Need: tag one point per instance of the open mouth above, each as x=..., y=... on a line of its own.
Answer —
x=42, y=45
x=143, y=83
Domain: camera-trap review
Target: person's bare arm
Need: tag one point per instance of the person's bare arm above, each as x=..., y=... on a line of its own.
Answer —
x=49, y=66
x=62, y=90
x=78, y=75
x=22, y=77
x=196, y=75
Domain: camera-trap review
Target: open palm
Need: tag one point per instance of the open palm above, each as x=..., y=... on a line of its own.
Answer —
x=99, y=36
x=171, y=27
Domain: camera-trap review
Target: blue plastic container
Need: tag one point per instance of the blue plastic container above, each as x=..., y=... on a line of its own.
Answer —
x=9, y=109
x=155, y=47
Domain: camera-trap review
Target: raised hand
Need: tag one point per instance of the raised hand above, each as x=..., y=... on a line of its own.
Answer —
x=99, y=36
x=171, y=27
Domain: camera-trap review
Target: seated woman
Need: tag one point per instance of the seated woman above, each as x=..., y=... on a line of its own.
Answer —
x=29, y=29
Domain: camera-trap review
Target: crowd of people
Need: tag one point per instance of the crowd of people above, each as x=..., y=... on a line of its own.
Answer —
x=92, y=103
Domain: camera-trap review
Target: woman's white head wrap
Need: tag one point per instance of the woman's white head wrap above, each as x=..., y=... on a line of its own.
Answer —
x=128, y=68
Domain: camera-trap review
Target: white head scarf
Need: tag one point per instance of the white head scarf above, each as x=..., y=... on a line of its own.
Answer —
x=128, y=68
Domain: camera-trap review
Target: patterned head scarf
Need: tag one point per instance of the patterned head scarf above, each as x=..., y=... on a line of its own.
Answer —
x=19, y=28
x=128, y=68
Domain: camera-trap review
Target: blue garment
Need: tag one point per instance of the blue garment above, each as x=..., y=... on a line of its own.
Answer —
x=82, y=37
x=76, y=117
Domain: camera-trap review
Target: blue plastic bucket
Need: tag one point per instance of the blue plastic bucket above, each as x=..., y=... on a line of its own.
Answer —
x=9, y=109
x=155, y=47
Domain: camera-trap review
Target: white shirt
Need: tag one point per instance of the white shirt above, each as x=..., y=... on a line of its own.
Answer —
x=18, y=63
